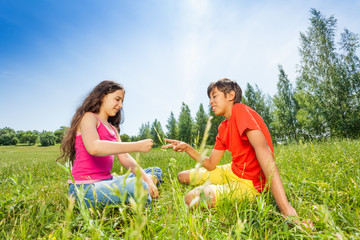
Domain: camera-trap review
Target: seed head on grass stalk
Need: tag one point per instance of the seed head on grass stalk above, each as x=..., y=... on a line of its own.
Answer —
x=68, y=215
x=203, y=153
x=138, y=205
x=197, y=139
x=202, y=150
x=90, y=224
x=240, y=225
x=160, y=139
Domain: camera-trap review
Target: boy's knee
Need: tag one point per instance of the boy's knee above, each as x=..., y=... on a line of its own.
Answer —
x=184, y=177
x=189, y=197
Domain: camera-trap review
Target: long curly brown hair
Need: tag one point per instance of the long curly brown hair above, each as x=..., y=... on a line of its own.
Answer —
x=92, y=103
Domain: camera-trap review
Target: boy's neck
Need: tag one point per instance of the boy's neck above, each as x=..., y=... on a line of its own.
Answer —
x=228, y=112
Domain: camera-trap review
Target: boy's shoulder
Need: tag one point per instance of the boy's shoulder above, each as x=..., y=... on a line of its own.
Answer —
x=239, y=107
x=241, y=111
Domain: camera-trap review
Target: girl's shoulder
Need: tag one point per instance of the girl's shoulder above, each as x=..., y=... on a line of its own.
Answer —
x=87, y=120
x=90, y=117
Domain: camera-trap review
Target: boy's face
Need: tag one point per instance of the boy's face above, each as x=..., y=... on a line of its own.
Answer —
x=221, y=104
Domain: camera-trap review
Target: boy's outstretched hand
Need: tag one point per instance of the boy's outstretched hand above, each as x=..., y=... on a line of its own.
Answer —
x=178, y=146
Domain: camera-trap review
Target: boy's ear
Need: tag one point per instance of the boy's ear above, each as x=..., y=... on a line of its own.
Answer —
x=232, y=95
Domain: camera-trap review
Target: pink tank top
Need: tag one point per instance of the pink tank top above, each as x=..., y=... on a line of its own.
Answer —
x=88, y=168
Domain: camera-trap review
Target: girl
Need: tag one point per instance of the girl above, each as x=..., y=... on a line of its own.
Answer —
x=91, y=142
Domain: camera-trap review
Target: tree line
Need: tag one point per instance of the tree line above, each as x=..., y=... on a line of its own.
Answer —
x=9, y=136
x=185, y=128
x=324, y=103
x=326, y=99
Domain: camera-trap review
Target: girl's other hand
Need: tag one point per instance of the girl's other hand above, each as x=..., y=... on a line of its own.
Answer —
x=178, y=146
x=145, y=145
x=153, y=190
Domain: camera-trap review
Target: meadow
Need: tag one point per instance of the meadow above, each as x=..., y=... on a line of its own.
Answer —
x=321, y=181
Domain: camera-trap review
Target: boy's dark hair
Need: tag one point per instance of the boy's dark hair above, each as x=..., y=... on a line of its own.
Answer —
x=226, y=85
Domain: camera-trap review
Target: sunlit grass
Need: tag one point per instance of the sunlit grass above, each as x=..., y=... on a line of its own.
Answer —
x=321, y=181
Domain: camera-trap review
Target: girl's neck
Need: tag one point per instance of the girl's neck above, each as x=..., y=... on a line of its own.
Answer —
x=103, y=117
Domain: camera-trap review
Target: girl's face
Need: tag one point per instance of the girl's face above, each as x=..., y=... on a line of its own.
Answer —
x=112, y=103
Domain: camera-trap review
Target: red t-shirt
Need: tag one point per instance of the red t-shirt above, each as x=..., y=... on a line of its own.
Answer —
x=231, y=136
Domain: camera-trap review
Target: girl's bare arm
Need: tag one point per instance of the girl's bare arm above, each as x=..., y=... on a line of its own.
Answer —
x=98, y=147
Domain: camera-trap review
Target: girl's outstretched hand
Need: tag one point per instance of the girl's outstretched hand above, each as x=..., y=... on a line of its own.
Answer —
x=145, y=145
x=178, y=146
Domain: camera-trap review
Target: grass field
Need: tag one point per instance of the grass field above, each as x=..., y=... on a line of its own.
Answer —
x=322, y=181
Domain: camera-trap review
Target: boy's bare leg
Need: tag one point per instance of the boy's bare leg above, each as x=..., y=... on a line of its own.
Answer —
x=184, y=177
x=195, y=194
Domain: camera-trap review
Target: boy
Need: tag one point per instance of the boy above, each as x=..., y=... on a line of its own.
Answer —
x=246, y=136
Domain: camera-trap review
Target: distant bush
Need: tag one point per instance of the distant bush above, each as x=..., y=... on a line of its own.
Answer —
x=125, y=138
x=6, y=130
x=31, y=137
x=47, y=138
x=8, y=136
x=8, y=139
x=59, y=134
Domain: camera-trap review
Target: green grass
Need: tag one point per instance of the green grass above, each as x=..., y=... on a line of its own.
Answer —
x=321, y=181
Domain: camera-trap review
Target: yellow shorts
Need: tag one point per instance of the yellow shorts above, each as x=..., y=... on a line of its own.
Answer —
x=224, y=183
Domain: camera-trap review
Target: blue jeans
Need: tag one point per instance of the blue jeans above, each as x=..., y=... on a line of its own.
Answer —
x=102, y=193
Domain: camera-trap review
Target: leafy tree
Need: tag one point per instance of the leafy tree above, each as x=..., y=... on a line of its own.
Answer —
x=134, y=138
x=47, y=138
x=7, y=130
x=261, y=103
x=125, y=138
x=29, y=137
x=145, y=131
x=8, y=139
x=285, y=109
x=59, y=134
x=21, y=136
x=8, y=136
x=200, y=124
x=349, y=71
x=215, y=122
x=185, y=124
x=172, y=127
x=32, y=137
x=36, y=132
x=328, y=85
x=157, y=133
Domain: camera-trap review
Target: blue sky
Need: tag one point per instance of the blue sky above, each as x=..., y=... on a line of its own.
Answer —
x=165, y=52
